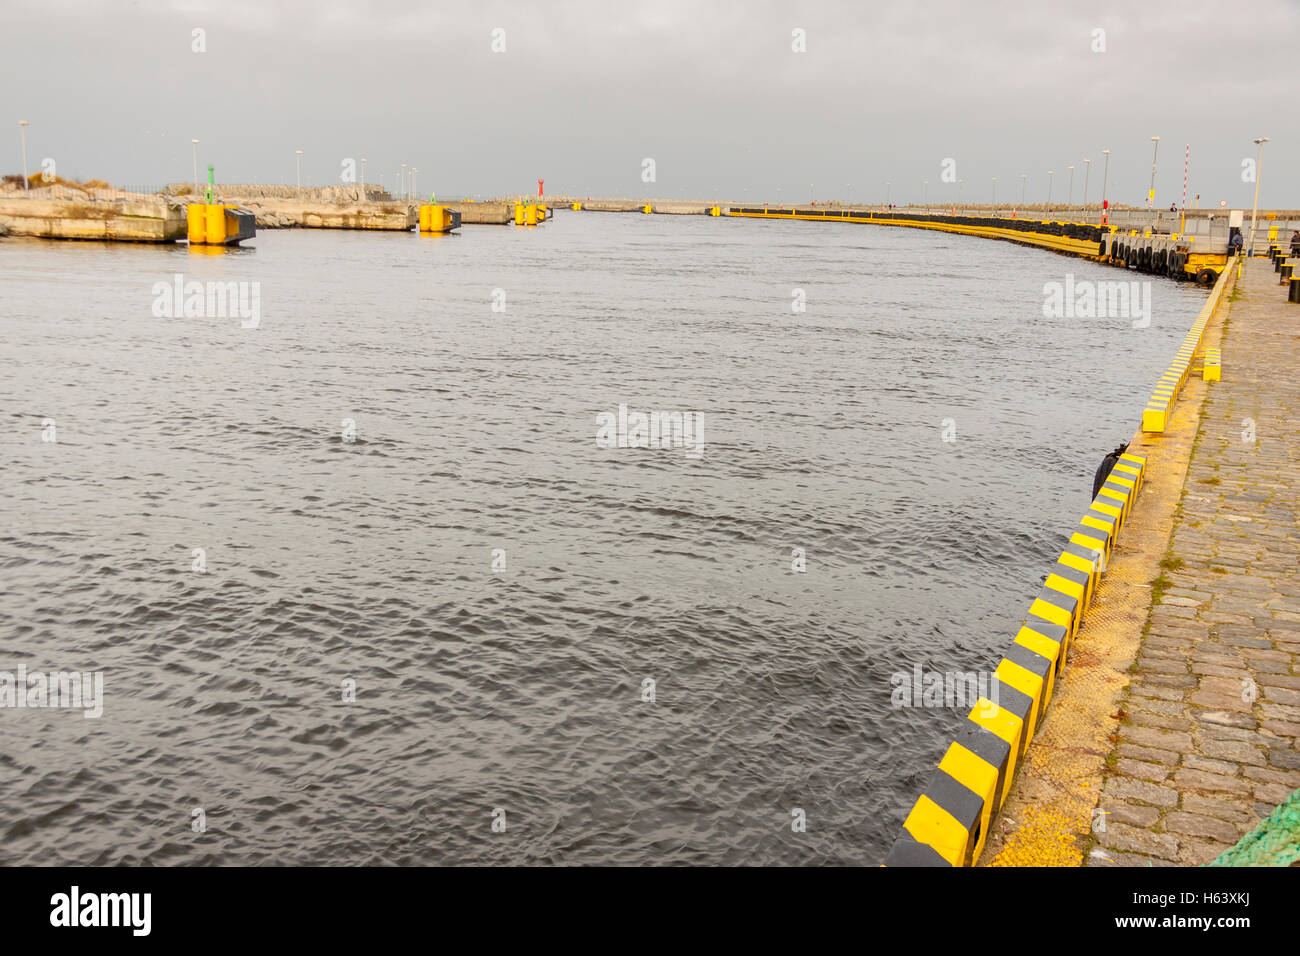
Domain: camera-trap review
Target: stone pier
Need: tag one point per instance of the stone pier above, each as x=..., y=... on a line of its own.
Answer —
x=125, y=220
x=1209, y=728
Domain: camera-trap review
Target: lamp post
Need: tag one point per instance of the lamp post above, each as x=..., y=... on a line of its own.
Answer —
x=1087, y=168
x=1069, y=196
x=888, y=190
x=1105, y=180
x=1254, y=209
x=1024, y=184
x=960, y=183
x=995, y=194
x=849, y=194
x=925, y=194
x=363, y=179
x=414, y=192
x=1050, y=174
x=194, y=149
x=1151, y=194
x=401, y=178
x=22, y=133
x=299, y=169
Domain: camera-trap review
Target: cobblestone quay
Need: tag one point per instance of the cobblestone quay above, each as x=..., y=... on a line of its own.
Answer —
x=1207, y=743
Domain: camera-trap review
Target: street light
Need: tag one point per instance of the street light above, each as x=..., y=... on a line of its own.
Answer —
x=1254, y=209
x=1050, y=174
x=888, y=188
x=1087, y=168
x=414, y=192
x=401, y=178
x=995, y=194
x=849, y=197
x=1069, y=196
x=1151, y=195
x=960, y=183
x=194, y=148
x=1105, y=181
x=925, y=194
x=1024, y=184
x=363, y=179
x=22, y=132
x=299, y=162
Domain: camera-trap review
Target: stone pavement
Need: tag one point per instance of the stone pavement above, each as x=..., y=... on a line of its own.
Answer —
x=1210, y=726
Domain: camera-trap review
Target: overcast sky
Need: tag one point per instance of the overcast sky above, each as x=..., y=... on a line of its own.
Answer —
x=712, y=92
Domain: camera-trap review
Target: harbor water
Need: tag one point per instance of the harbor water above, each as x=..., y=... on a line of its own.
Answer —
x=561, y=652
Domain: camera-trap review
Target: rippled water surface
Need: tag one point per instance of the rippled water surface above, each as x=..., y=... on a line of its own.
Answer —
x=521, y=689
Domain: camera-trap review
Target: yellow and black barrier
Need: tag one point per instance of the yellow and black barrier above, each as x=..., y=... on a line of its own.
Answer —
x=950, y=822
x=1155, y=417
x=1212, y=366
x=1081, y=239
x=216, y=225
x=1174, y=256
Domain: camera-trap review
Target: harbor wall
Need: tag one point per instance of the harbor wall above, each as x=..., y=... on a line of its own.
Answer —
x=950, y=823
x=121, y=220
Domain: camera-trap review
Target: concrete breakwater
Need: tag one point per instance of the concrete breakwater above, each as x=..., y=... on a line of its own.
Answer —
x=391, y=215
x=289, y=214
x=312, y=194
x=484, y=213
x=343, y=207
x=164, y=219
x=663, y=207
x=124, y=220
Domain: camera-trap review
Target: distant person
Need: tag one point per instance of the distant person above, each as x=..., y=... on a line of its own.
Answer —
x=1295, y=242
x=1173, y=207
x=1235, y=243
